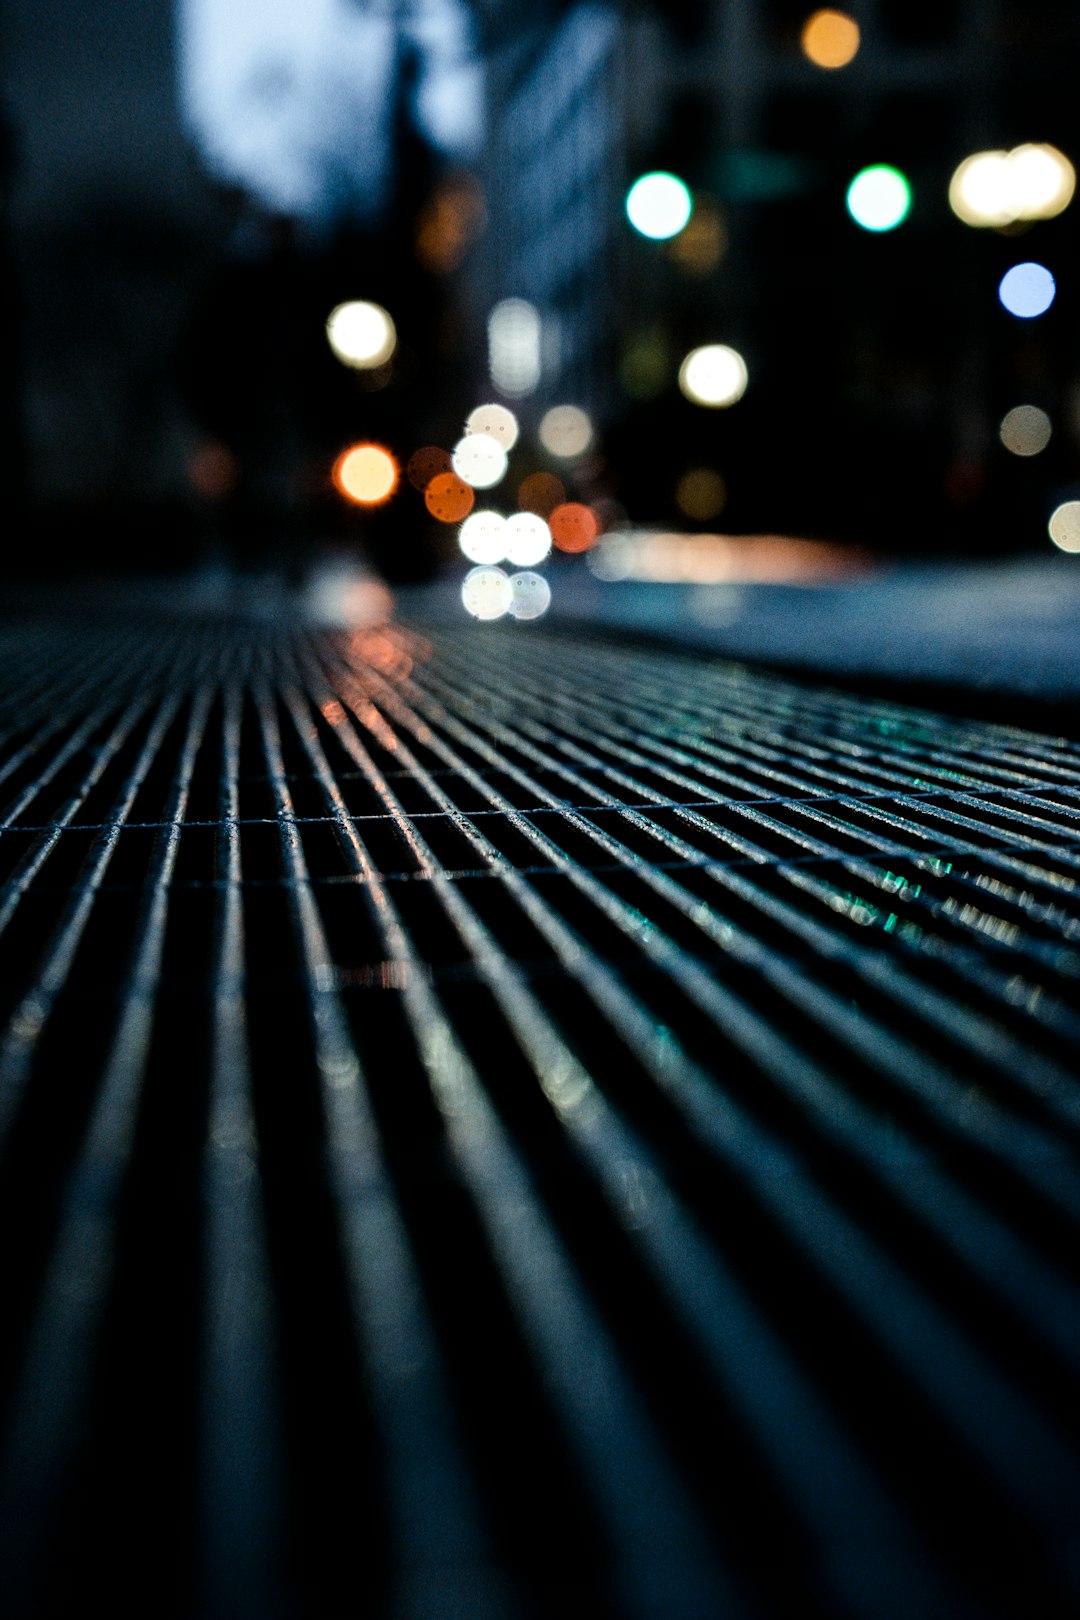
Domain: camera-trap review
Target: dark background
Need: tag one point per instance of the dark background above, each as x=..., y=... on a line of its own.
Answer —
x=169, y=401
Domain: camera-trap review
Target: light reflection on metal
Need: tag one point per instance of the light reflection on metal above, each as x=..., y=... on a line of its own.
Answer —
x=715, y=559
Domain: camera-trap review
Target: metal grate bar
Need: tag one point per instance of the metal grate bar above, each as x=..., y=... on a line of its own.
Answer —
x=502, y=1124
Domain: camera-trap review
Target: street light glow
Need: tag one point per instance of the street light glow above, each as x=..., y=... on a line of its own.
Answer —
x=879, y=198
x=659, y=205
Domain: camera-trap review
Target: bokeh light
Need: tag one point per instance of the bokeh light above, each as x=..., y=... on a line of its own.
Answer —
x=213, y=471
x=659, y=205
x=425, y=464
x=449, y=223
x=528, y=539
x=480, y=460
x=700, y=494
x=514, y=349
x=1027, y=290
x=530, y=595
x=566, y=431
x=879, y=198
x=540, y=492
x=487, y=593
x=362, y=335
x=702, y=243
x=573, y=527
x=366, y=474
x=830, y=39
x=997, y=188
x=714, y=375
x=1065, y=526
x=448, y=498
x=646, y=364
x=482, y=537
x=497, y=421
x=1025, y=430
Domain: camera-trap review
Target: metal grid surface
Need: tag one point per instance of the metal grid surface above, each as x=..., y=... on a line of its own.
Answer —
x=499, y=1125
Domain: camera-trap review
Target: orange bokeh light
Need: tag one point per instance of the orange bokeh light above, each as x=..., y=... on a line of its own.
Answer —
x=573, y=526
x=449, y=223
x=214, y=471
x=425, y=464
x=830, y=39
x=540, y=492
x=366, y=474
x=449, y=498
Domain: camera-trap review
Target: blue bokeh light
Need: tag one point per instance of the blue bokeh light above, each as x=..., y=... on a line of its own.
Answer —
x=1027, y=290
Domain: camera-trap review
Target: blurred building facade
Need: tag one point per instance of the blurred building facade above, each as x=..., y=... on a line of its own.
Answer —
x=881, y=365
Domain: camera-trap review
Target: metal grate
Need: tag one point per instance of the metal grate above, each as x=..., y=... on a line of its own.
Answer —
x=499, y=1125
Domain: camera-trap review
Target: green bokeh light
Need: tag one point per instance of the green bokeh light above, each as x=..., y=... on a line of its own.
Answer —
x=879, y=198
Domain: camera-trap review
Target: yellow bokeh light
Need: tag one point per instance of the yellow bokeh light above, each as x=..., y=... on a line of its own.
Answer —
x=700, y=494
x=699, y=248
x=362, y=335
x=366, y=474
x=998, y=188
x=830, y=39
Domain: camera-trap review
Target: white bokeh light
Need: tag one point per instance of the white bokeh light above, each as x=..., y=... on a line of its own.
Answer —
x=530, y=595
x=483, y=537
x=487, y=593
x=361, y=334
x=479, y=460
x=515, y=360
x=528, y=539
x=714, y=375
x=497, y=421
x=879, y=198
x=996, y=188
x=659, y=206
x=1065, y=526
x=566, y=431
